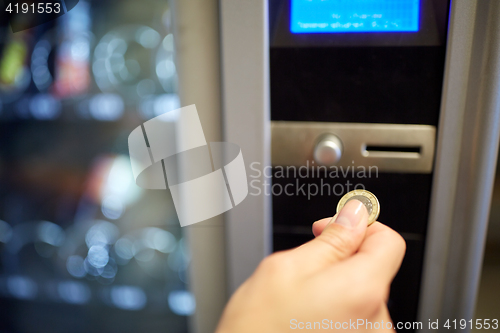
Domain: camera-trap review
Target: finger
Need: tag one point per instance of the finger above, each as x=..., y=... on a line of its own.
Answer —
x=377, y=261
x=339, y=240
x=385, y=246
x=319, y=226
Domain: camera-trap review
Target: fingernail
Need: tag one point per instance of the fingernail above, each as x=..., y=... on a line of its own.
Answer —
x=351, y=214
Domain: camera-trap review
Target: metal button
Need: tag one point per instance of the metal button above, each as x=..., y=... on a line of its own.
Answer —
x=328, y=150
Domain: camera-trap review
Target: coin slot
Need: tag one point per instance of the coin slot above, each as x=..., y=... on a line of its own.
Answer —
x=392, y=151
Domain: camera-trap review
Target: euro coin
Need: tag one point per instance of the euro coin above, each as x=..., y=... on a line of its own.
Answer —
x=366, y=198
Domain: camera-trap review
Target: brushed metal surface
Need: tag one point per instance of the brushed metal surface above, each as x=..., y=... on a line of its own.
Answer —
x=246, y=118
x=293, y=144
x=467, y=149
x=328, y=150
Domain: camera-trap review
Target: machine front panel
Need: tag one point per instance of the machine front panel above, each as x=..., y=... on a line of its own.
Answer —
x=355, y=101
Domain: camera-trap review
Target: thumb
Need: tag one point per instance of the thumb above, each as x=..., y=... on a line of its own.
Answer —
x=340, y=239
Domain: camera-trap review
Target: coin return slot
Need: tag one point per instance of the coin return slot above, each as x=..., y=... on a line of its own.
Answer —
x=392, y=151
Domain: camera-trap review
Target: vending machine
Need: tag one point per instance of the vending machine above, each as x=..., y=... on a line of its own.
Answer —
x=395, y=97
x=355, y=97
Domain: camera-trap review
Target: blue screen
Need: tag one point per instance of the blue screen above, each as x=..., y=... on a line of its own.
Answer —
x=341, y=16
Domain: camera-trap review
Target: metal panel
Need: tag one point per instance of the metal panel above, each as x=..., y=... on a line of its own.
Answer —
x=293, y=144
x=465, y=162
x=196, y=29
x=245, y=96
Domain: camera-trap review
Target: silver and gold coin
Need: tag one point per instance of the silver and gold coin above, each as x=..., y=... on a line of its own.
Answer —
x=366, y=198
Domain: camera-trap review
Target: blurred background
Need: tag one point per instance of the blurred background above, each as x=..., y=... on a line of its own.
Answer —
x=82, y=248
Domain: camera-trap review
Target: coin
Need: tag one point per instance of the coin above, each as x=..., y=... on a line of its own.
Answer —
x=366, y=198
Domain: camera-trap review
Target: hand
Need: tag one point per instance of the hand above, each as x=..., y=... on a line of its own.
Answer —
x=340, y=277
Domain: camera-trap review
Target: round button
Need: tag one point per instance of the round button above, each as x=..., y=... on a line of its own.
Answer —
x=328, y=150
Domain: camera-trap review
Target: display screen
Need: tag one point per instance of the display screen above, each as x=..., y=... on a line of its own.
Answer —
x=347, y=16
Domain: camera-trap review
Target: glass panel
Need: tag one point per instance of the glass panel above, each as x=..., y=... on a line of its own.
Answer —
x=82, y=248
